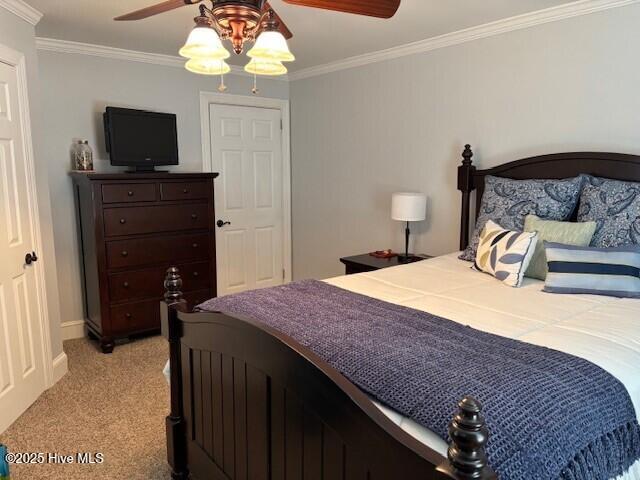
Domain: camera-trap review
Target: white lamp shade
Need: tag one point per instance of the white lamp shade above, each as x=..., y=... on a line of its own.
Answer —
x=271, y=45
x=409, y=207
x=204, y=42
x=205, y=66
x=265, y=67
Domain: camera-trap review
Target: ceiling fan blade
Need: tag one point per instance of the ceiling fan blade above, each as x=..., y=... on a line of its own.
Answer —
x=156, y=9
x=284, y=30
x=372, y=8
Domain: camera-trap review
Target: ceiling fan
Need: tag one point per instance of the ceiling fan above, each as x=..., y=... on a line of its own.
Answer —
x=243, y=21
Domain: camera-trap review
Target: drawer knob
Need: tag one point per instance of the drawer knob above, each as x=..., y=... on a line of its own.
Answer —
x=194, y=216
x=195, y=245
x=130, y=193
x=195, y=274
x=127, y=315
x=125, y=284
x=124, y=253
x=122, y=221
x=185, y=191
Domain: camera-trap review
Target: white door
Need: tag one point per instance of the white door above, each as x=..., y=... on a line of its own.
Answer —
x=246, y=149
x=22, y=377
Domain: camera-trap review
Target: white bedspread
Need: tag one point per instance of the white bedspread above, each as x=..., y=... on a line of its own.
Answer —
x=603, y=330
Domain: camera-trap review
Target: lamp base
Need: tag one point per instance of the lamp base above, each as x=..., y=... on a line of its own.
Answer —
x=408, y=258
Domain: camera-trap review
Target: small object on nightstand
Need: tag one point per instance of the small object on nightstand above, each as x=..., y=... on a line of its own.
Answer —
x=408, y=207
x=369, y=263
x=384, y=253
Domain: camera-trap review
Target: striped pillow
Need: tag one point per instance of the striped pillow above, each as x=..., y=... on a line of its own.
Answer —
x=597, y=271
x=505, y=254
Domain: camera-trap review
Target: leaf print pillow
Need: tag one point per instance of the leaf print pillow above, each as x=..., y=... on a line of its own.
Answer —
x=507, y=202
x=505, y=254
x=615, y=207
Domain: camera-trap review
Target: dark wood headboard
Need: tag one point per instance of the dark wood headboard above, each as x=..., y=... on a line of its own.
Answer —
x=618, y=166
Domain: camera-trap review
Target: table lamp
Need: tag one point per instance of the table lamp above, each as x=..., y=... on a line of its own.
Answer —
x=408, y=207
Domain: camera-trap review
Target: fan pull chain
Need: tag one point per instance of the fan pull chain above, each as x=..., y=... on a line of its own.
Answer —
x=222, y=87
x=255, y=90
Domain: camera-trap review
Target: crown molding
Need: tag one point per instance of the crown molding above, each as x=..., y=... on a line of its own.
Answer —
x=22, y=10
x=519, y=22
x=67, y=46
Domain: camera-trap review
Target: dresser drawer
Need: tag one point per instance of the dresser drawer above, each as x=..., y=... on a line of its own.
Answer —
x=129, y=192
x=195, y=276
x=166, y=218
x=196, y=298
x=161, y=249
x=184, y=190
x=148, y=283
x=135, y=317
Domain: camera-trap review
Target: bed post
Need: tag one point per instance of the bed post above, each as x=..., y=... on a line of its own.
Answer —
x=465, y=185
x=467, y=459
x=172, y=331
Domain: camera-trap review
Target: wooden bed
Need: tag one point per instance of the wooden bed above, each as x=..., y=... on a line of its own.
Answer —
x=248, y=402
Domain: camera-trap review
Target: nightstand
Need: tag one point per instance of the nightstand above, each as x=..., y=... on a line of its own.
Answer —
x=367, y=263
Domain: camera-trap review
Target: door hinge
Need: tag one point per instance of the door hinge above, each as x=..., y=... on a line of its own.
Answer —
x=281, y=127
x=283, y=274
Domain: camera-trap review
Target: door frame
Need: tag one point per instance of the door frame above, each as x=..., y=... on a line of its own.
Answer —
x=210, y=98
x=17, y=60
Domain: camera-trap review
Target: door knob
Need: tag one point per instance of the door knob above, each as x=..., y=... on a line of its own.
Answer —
x=221, y=224
x=29, y=258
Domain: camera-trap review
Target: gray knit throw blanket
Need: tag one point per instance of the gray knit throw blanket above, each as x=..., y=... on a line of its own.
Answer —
x=550, y=415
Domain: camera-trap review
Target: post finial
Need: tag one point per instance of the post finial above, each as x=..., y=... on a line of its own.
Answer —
x=172, y=285
x=467, y=155
x=469, y=435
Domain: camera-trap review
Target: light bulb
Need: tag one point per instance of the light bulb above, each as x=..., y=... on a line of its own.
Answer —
x=271, y=45
x=265, y=67
x=206, y=66
x=204, y=42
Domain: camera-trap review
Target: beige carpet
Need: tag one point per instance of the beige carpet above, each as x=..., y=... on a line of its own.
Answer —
x=114, y=404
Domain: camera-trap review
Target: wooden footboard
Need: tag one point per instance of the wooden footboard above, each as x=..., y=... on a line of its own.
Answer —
x=248, y=402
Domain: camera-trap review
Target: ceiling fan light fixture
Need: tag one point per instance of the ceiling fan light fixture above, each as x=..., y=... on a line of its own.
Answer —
x=265, y=67
x=244, y=21
x=271, y=45
x=204, y=42
x=207, y=66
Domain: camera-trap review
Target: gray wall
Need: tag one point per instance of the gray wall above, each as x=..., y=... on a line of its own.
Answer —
x=20, y=35
x=360, y=134
x=75, y=90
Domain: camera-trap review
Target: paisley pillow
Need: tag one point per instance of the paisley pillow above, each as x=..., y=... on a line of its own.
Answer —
x=615, y=207
x=507, y=202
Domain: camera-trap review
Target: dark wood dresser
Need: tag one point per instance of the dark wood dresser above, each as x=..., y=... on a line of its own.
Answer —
x=133, y=227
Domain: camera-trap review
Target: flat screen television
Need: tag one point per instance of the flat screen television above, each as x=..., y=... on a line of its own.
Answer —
x=140, y=139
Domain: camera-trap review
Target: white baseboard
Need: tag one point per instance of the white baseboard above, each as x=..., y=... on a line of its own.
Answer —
x=72, y=330
x=60, y=367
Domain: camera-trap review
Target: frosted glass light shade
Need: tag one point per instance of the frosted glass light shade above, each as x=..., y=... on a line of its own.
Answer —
x=206, y=66
x=265, y=67
x=409, y=207
x=204, y=42
x=271, y=45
